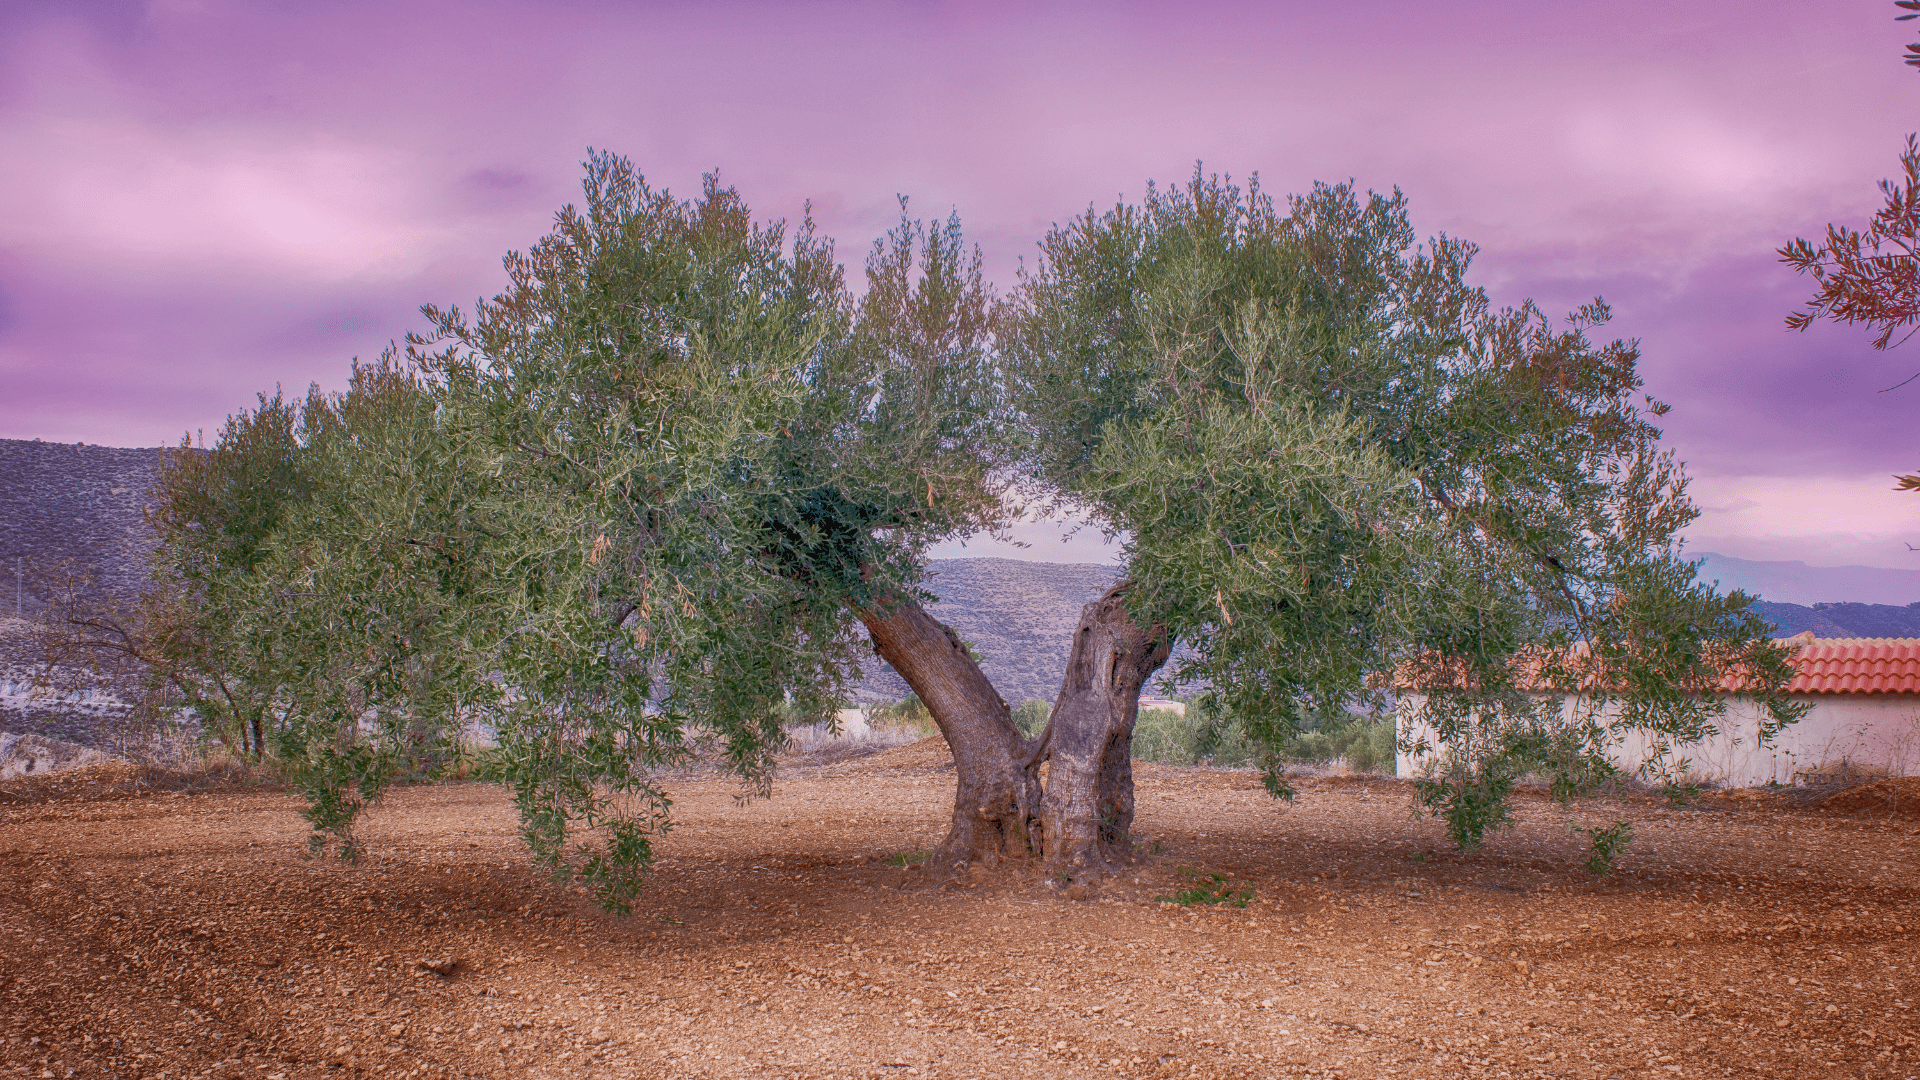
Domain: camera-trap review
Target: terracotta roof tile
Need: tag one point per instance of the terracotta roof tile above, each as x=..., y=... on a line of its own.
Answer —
x=1826, y=666
x=1856, y=666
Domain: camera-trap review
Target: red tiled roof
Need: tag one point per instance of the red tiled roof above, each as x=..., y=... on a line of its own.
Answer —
x=1856, y=666
x=1826, y=666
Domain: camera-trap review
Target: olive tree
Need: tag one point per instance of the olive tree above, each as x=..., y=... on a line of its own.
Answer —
x=1331, y=459
x=706, y=464
x=178, y=649
x=658, y=488
x=645, y=496
x=359, y=608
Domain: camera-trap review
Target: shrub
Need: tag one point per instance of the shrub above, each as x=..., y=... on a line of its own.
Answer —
x=1211, y=736
x=1366, y=743
x=1608, y=843
x=1205, y=888
x=907, y=714
x=1031, y=717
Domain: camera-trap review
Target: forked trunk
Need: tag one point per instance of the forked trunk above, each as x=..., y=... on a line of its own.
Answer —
x=1083, y=819
x=1087, y=811
x=998, y=796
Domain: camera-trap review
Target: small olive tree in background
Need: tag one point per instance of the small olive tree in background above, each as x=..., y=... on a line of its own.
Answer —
x=180, y=651
x=1206, y=734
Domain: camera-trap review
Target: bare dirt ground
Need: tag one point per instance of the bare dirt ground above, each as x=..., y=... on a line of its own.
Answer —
x=183, y=935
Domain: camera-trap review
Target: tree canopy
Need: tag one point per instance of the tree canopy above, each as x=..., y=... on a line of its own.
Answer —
x=1331, y=458
x=654, y=490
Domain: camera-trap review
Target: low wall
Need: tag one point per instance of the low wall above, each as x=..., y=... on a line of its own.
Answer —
x=1880, y=732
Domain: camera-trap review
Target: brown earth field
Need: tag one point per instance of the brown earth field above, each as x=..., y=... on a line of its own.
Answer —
x=177, y=935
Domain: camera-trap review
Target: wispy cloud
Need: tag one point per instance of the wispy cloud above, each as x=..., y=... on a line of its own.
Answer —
x=206, y=197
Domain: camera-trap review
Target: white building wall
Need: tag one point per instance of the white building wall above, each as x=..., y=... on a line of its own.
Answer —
x=853, y=723
x=1879, y=731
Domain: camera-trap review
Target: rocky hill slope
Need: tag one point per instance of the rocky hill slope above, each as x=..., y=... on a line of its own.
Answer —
x=75, y=506
x=1019, y=616
x=70, y=507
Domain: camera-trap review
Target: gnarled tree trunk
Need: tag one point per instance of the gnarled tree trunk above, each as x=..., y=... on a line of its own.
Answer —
x=998, y=796
x=1083, y=819
x=1087, y=811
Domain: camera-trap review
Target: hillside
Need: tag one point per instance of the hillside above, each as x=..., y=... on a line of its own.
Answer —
x=1842, y=620
x=81, y=507
x=1018, y=615
x=73, y=505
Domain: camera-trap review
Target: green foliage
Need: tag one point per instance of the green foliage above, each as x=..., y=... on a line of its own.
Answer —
x=638, y=499
x=1335, y=460
x=1489, y=753
x=908, y=858
x=1473, y=803
x=1206, y=888
x=630, y=504
x=478, y=763
x=1202, y=736
x=357, y=605
x=908, y=714
x=1680, y=792
x=219, y=513
x=1207, y=734
x=1608, y=843
x=1366, y=744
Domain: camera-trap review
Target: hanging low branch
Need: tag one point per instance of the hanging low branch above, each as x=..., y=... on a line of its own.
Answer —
x=1869, y=277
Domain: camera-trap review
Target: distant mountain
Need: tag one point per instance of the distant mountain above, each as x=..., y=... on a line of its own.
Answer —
x=1798, y=583
x=1842, y=620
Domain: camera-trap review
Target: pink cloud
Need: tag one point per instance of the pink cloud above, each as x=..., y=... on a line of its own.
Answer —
x=207, y=196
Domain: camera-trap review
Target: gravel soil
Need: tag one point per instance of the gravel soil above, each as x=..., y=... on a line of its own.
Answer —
x=182, y=934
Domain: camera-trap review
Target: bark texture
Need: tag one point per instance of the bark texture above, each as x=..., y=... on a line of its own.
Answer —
x=997, y=798
x=1087, y=812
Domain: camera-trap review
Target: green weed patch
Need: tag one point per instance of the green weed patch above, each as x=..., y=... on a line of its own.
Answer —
x=1205, y=888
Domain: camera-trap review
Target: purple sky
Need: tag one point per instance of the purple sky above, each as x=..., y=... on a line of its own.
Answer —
x=204, y=198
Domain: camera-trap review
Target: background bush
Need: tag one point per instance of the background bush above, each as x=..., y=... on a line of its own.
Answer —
x=1209, y=736
x=907, y=714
